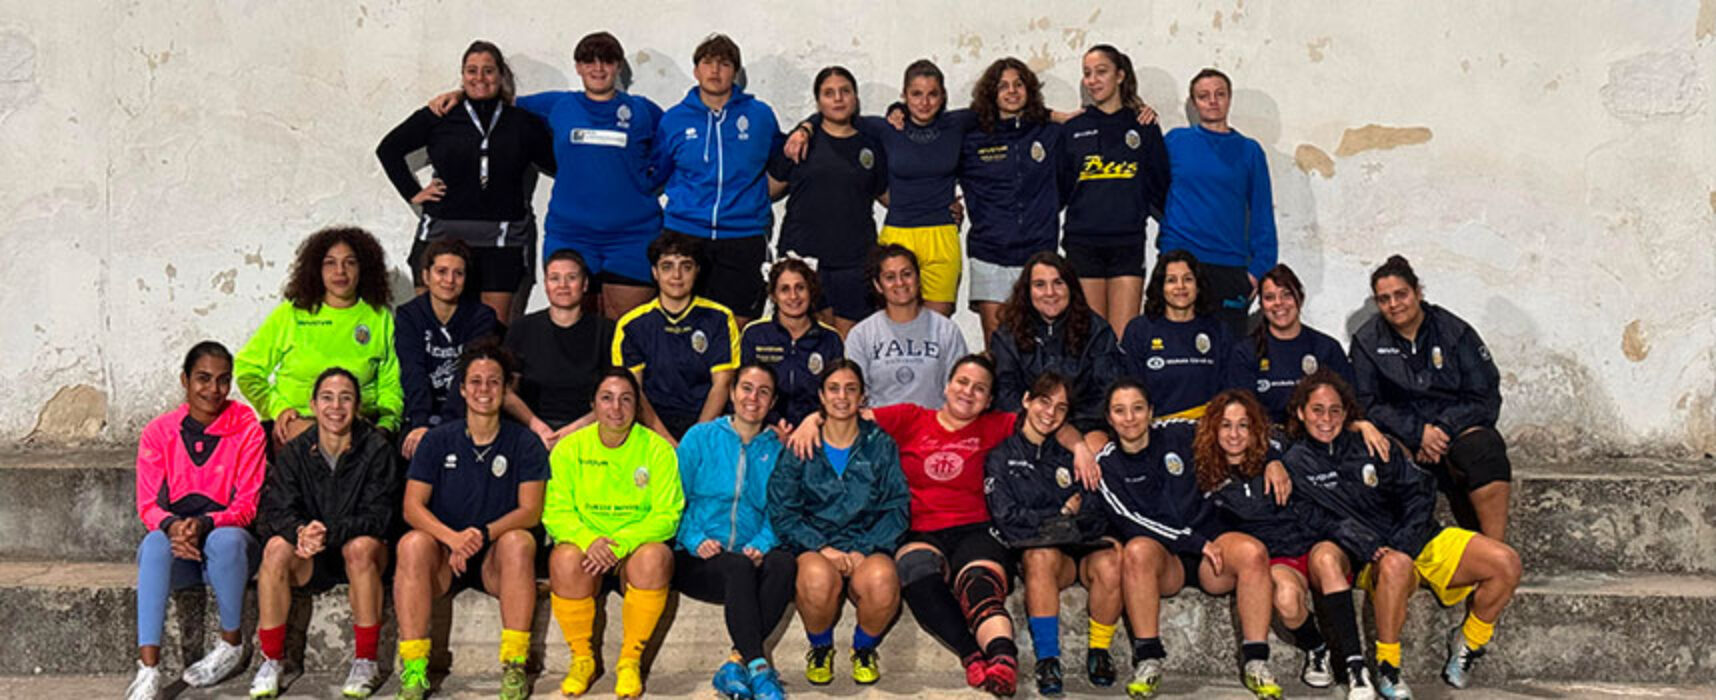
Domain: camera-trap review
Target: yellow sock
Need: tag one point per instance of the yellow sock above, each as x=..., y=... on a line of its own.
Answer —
x=1477, y=632
x=1388, y=654
x=413, y=649
x=577, y=617
x=1101, y=635
x=514, y=646
x=639, y=611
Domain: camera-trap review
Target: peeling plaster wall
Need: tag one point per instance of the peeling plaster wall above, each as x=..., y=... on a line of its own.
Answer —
x=1551, y=173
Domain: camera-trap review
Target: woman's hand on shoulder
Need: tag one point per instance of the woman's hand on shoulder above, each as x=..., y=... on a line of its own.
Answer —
x=443, y=103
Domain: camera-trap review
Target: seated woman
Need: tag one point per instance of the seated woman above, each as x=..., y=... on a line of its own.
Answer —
x=335, y=315
x=1382, y=514
x=1177, y=350
x=1282, y=349
x=1047, y=326
x=430, y=332
x=793, y=344
x=330, y=497
x=1059, y=529
x=1173, y=538
x=841, y=509
x=613, y=502
x=726, y=551
x=1426, y=378
x=906, y=353
x=199, y=470
x=561, y=352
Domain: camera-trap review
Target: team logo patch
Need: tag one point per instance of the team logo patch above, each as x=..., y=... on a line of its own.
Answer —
x=744, y=128
x=904, y=375
x=498, y=467
x=1203, y=343
x=361, y=334
x=1436, y=357
x=1133, y=140
x=1176, y=466
x=699, y=341
x=1370, y=475
x=1308, y=363
x=624, y=114
x=1155, y=362
x=1038, y=153
x=451, y=462
x=1155, y=343
x=641, y=477
x=866, y=158
x=943, y=466
x=1484, y=352
x=1063, y=477
x=814, y=363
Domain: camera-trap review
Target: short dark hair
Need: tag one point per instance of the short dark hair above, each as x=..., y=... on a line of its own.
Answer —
x=445, y=246
x=1209, y=73
x=622, y=373
x=304, y=286
x=207, y=348
x=357, y=386
x=720, y=47
x=488, y=349
x=568, y=255
x=976, y=358
x=508, y=87
x=674, y=243
x=757, y=366
x=599, y=47
x=1048, y=381
x=1156, y=301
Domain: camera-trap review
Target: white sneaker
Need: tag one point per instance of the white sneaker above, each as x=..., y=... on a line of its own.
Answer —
x=1359, y=686
x=1316, y=671
x=361, y=680
x=266, y=682
x=216, y=666
x=146, y=685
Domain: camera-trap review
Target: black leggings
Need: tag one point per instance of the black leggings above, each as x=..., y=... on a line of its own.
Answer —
x=755, y=597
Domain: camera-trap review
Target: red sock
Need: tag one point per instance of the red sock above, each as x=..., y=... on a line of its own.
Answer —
x=272, y=640
x=364, y=639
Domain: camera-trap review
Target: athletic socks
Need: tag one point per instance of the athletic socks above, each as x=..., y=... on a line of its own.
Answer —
x=1253, y=651
x=1388, y=654
x=640, y=610
x=514, y=646
x=938, y=612
x=364, y=641
x=860, y=638
x=825, y=638
x=271, y=641
x=1148, y=648
x=577, y=618
x=1046, y=637
x=1477, y=632
x=411, y=650
x=1336, y=611
x=1001, y=647
x=1306, y=636
x=1101, y=635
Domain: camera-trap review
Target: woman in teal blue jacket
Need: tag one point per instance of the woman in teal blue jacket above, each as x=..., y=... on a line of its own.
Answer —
x=726, y=551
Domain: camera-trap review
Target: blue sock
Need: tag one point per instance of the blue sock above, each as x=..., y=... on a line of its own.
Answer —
x=1046, y=637
x=824, y=638
x=862, y=639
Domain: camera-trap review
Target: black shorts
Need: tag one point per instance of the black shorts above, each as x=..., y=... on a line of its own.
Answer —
x=1477, y=458
x=492, y=269
x=1102, y=261
x=1079, y=551
x=677, y=424
x=846, y=291
x=732, y=274
x=1190, y=563
x=473, y=576
x=1230, y=292
x=327, y=569
x=962, y=544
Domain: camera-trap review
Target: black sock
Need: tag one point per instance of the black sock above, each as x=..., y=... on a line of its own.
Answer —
x=1001, y=646
x=1253, y=651
x=1306, y=636
x=936, y=610
x=1148, y=648
x=1336, y=612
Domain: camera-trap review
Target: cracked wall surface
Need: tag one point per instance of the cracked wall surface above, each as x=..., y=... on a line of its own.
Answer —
x=1550, y=171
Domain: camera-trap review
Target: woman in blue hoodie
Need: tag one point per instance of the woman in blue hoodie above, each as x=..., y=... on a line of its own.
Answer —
x=713, y=150
x=726, y=549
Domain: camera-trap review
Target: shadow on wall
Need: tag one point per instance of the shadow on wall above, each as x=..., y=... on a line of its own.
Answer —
x=533, y=76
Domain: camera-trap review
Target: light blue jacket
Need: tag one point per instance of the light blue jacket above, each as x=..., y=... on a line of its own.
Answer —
x=726, y=487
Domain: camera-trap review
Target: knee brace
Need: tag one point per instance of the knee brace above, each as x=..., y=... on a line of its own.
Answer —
x=982, y=595
x=921, y=564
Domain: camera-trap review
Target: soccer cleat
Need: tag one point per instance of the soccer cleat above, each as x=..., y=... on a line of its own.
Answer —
x=765, y=683
x=1359, y=686
x=1050, y=678
x=1260, y=680
x=1316, y=672
x=973, y=669
x=1146, y=678
x=1458, y=671
x=1099, y=666
x=360, y=680
x=819, y=665
x=515, y=685
x=730, y=681
x=579, y=673
x=266, y=682
x=1390, y=685
x=1001, y=676
x=628, y=678
x=146, y=685
x=866, y=666
x=214, y=667
x=413, y=680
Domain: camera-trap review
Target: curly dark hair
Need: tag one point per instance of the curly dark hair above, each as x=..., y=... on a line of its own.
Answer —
x=1207, y=456
x=1016, y=314
x=1156, y=302
x=1302, y=396
x=988, y=89
x=304, y=286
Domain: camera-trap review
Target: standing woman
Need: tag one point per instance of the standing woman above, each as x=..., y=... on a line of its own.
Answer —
x=1281, y=349
x=1177, y=349
x=795, y=346
x=1116, y=177
x=1425, y=377
x=1047, y=326
x=830, y=194
x=906, y=353
x=1008, y=168
x=480, y=194
x=335, y=315
x=1219, y=202
x=199, y=473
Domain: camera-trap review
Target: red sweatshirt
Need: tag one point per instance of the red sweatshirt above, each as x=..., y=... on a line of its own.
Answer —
x=944, y=470
x=188, y=470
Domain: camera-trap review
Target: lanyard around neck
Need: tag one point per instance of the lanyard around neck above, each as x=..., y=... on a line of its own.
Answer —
x=483, y=150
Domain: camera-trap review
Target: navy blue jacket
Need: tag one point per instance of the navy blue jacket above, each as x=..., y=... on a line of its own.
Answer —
x=1091, y=369
x=1155, y=493
x=429, y=357
x=1446, y=378
x=1275, y=375
x=1115, y=174
x=797, y=363
x=1365, y=503
x=1027, y=485
x=1011, y=190
x=1286, y=531
x=1182, y=364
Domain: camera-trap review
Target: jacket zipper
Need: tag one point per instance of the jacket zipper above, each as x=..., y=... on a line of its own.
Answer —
x=738, y=491
x=720, y=172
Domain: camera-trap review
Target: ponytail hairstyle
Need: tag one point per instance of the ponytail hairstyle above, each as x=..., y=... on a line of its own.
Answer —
x=508, y=87
x=1282, y=276
x=207, y=348
x=338, y=371
x=1128, y=88
x=1396, y=266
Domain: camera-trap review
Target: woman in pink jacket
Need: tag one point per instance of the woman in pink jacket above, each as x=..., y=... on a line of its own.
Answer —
x=199, y=471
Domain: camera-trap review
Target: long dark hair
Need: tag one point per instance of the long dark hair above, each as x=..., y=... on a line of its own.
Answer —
x=304, y=286
x=508, y=87
x=1016, y=314
x=1302, y=395
x=1128, y=88
x=1156, y=302
x=988, y=88
x=1281, y=276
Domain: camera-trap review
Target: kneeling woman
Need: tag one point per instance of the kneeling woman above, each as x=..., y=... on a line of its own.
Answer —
x=613, y=502
x=842, y=510
x=1059, y=528
x=727, y=551
x=199, y=470
x=1382, y=512
x=327, y=504
x=1174, y=538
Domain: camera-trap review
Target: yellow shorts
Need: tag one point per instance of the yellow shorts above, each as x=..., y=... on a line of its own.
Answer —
x=1193, y=413
x=939, y=259
x=1435, y=564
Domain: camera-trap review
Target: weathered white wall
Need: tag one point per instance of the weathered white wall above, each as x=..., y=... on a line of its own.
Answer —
x=1549, y=167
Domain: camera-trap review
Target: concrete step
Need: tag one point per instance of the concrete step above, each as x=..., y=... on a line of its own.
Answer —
x=79, y=618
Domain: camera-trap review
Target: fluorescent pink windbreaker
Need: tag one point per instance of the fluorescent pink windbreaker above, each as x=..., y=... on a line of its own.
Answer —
x=224, y=487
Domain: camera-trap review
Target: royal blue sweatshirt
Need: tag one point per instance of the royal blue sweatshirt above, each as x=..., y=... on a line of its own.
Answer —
x=429, y=357
x=1116, y=175
x=716, y=166
x=604, y=186
x=1010, y=181
x=1219, y=203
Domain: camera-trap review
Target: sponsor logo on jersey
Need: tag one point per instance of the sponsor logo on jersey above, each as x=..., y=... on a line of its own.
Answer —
x=1203, y=343
x=699, y=341
x=361, y=334
x=1263, y=365
x=988, y=485
x=691, y=133
x=1155, y=343
x=1262, y=386
x=600, y=137
x=1484, y=352
x=498, y=467
x=866, y=158
x=1175, y=465
x=1155, y=362
x=1095, y=168
x=1308, y=363
x=1133, y=140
